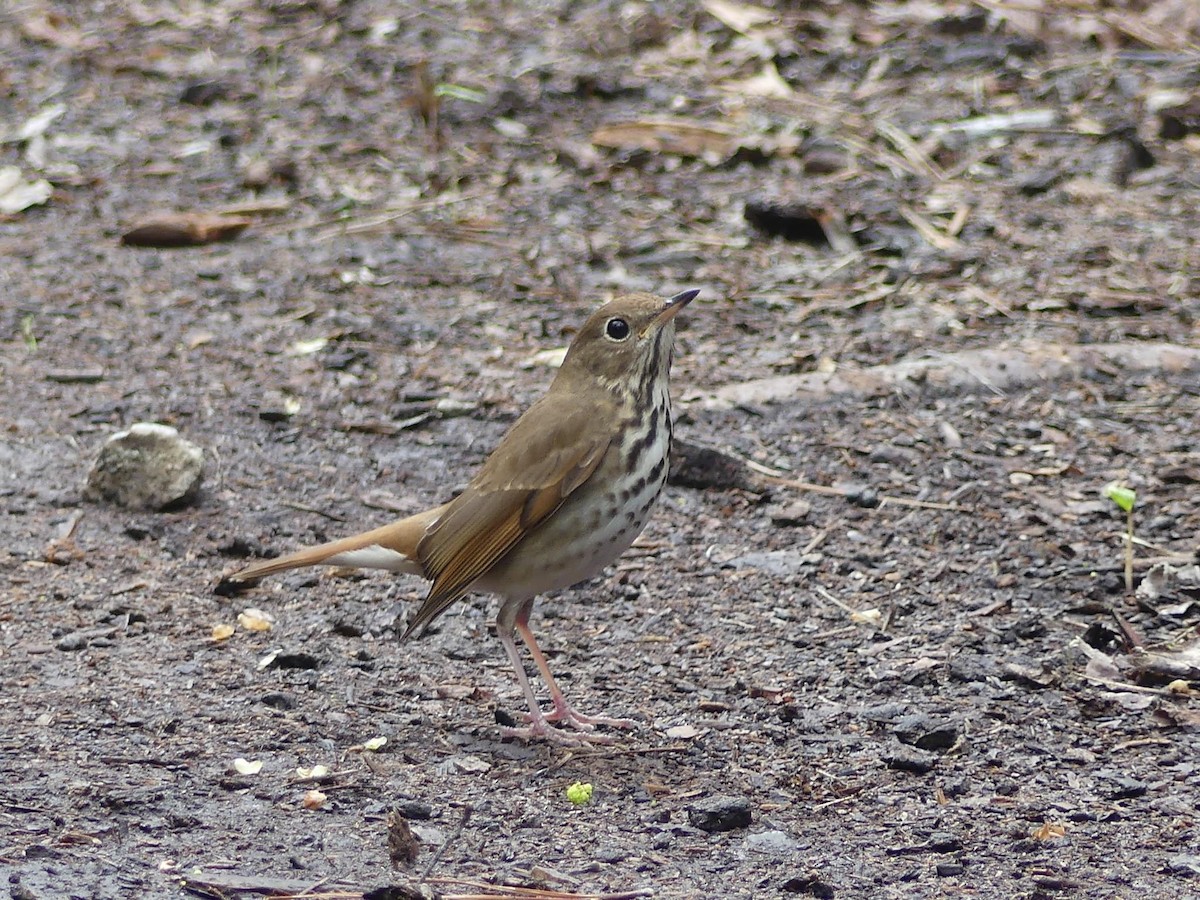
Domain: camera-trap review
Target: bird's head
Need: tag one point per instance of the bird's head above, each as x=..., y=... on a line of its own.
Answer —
x=626, y=344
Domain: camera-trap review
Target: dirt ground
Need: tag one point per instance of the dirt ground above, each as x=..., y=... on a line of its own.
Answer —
x=930, y=681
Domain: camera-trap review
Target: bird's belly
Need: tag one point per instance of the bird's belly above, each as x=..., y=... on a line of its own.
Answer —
x=595, y=525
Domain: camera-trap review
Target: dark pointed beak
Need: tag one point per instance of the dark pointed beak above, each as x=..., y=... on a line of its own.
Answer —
x=674, y=305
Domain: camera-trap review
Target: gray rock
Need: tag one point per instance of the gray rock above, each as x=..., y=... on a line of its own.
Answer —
x=776, y=843
x=720, y=814
x=147, y=467
x=909, y=759
x=1187, y=864
x=779, y=563
x=795, y=513
x=926, y=733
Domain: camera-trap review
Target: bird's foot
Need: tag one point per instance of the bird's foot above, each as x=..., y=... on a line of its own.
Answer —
x=544, y=731
x=564, y=712
x=540, y=729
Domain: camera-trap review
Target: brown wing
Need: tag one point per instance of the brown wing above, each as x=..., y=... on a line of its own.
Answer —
x=548, y=453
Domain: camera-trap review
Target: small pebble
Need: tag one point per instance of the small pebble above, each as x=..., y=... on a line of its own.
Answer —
x=926, y=733
x=720, y=814
x=908, y=759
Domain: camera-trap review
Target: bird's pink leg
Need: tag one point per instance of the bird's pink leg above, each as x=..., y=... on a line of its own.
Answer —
x=563, y=711
x=539, y=725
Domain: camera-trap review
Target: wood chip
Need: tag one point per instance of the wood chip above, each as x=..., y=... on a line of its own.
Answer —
x=184, y=230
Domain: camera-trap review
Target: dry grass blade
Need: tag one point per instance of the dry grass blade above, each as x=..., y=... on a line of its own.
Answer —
x=928, y=231
x=908, y=148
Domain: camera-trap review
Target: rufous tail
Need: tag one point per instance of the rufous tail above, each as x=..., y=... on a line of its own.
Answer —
x=392, y=547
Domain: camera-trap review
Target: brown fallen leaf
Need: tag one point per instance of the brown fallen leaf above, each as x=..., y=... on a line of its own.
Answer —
x=314, y=799
x=675, y=136
x=184, y=230
x=403, y=845
x=1049, y=831
x=62, y=549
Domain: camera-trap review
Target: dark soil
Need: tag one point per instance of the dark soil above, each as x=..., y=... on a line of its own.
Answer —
x=933, y=683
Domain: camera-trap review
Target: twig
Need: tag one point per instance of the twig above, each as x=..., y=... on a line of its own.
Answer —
x=835, y=802
x=835, y=601
x=312, y=509
x=1133, y=688
x=884, y=499
x=440, y=852
x=921, y=504
x=255, y=207
x=1132, y=638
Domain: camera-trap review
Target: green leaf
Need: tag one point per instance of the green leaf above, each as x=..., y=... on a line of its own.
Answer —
x=1123, y=496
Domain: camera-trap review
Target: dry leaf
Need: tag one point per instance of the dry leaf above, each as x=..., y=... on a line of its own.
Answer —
x=314, y=799
x=37, y=125
x=255, y=620
x=1158, y=666
x=403, y=845
x=1164, y=579
x=16, y=194
x=454, y=691
x=679, y=137
x=1049, y=830
x=184, y=230
x=309, y=347
x=682, y=732
x=739, y=17
x=767, y=83
x=247, y=767
x=1129, y=700
x=468, y=764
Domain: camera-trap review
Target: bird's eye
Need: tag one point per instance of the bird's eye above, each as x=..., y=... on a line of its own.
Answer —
x=617, y=329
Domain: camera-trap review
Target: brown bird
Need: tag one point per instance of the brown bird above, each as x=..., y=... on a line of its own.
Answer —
x=564, y=494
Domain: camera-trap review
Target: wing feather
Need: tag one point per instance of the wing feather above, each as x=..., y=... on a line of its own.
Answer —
x=525, y=480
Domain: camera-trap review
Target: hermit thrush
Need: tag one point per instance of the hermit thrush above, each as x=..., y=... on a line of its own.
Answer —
x=564, y=494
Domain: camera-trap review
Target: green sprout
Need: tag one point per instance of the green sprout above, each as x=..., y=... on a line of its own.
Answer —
x=1125, y=498
x=27, y=334
x=579, y=793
